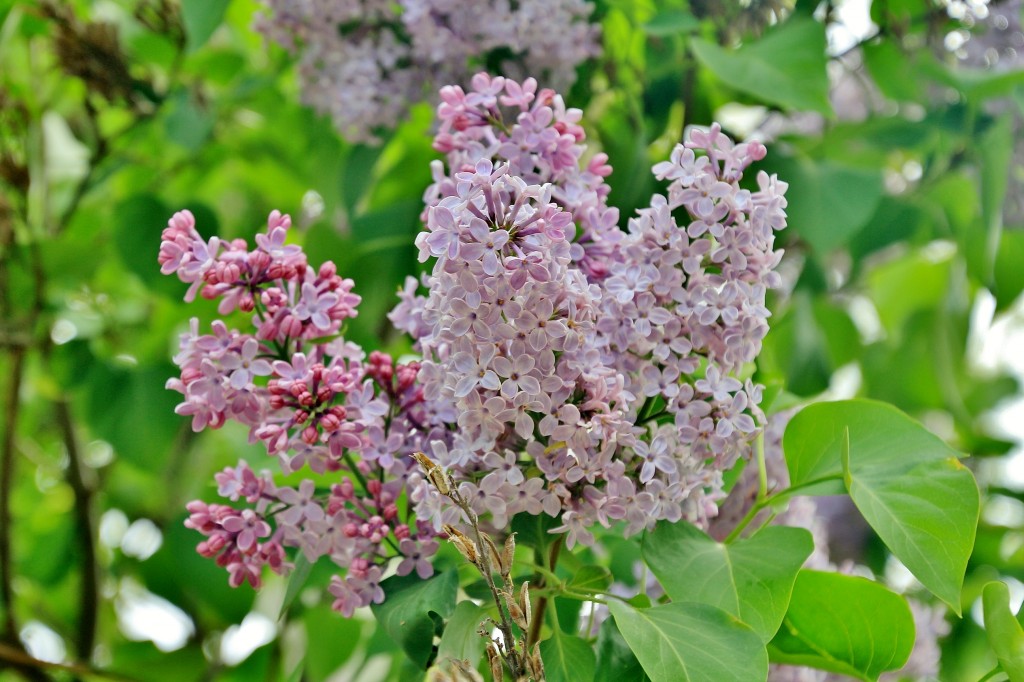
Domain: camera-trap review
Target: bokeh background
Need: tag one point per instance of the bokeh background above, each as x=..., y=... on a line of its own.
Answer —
x=897, y=124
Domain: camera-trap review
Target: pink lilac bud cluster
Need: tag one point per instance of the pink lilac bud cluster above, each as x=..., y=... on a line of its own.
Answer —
x=594, y=372
x=313, y=400
x=365, y=62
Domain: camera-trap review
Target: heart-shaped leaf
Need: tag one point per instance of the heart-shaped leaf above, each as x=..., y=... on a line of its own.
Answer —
x=906, y=481
x=567, y=658
x=752, y=579
x=844, y=624
x=691, y=642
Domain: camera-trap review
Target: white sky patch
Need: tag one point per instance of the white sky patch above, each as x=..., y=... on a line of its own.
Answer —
x=1016, y=599
x=142, y=539
x=143, y=616
x=852, y=25
x=239, y=641
x=43, y=643
x=113, y=526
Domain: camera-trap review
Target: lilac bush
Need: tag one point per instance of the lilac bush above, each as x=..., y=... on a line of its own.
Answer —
x=365, y=62
x=568, y=368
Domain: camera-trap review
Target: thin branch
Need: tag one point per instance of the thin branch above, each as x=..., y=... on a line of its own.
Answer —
x=542, y=603
x=16, y=372
x=24, y=661
x=89, y=590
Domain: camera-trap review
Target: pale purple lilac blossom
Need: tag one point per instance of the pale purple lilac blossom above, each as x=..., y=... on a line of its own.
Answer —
x=605, y=363
x=365, y=62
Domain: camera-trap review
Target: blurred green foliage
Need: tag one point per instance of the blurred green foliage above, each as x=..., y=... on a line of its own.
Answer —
x=898, y=211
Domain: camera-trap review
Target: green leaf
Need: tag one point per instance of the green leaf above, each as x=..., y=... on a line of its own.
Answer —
x=844, y=624
x=296, y=581
x=908, y=484
x=751, y=579
x=926, y=515
x=1005, y=634
x=567, y=658
x=405, y=612
x=904, y=286
x=460, y=639
x=786, y=67
x=201, y=19
x=323, y=625
x=189, y=122
x=878, y=431
x=995, y=151
x=829, y=202
x=671, y=22
x=892, y=71
x=686, y=641
x=589, y=579
x=1009, y=276
x=615, y=660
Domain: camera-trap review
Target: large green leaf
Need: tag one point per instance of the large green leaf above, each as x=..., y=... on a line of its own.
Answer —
x=333, y=639
x=201, y=18
x=590, y=578
x=689, y=642
x=752, y=579
x=1004, y=631
x=1009, y=276
x=845, y=624
x=670, y=22
x=460, y=639
x=615, y=661
x=927, y=516
x=995, y=152
x=409, y=611
x=829, y=202
x=907, y=482
x=893, y=71
x=567, y=658
x=786, y=67
x=899, y=288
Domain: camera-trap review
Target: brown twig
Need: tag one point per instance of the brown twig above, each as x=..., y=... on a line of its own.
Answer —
x=89, y=591
x=19, y=659
x=15, y=373
x=542, y=602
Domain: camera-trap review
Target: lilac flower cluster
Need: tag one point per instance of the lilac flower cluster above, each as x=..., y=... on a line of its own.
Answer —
x=603, y=365
x=364, y=62
x=313, y=399
x=568, y=368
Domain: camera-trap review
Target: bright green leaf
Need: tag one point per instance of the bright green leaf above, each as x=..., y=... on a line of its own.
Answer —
x=844, y=624
x=926, y=515
x=690, y=642
x=1009, y=275
x=589, y=579
x=995, y=151
x=296, y=581
x=201, y=19
x=892, y=71
x=460, y=639
x=907, y=482
x=405, y=613
x=615, y=660
x=786, y=67
x=567, y=658
x=752, y=579
x=323, y=624
x=829, y=202
x=671, y=22
x=1005, y=634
